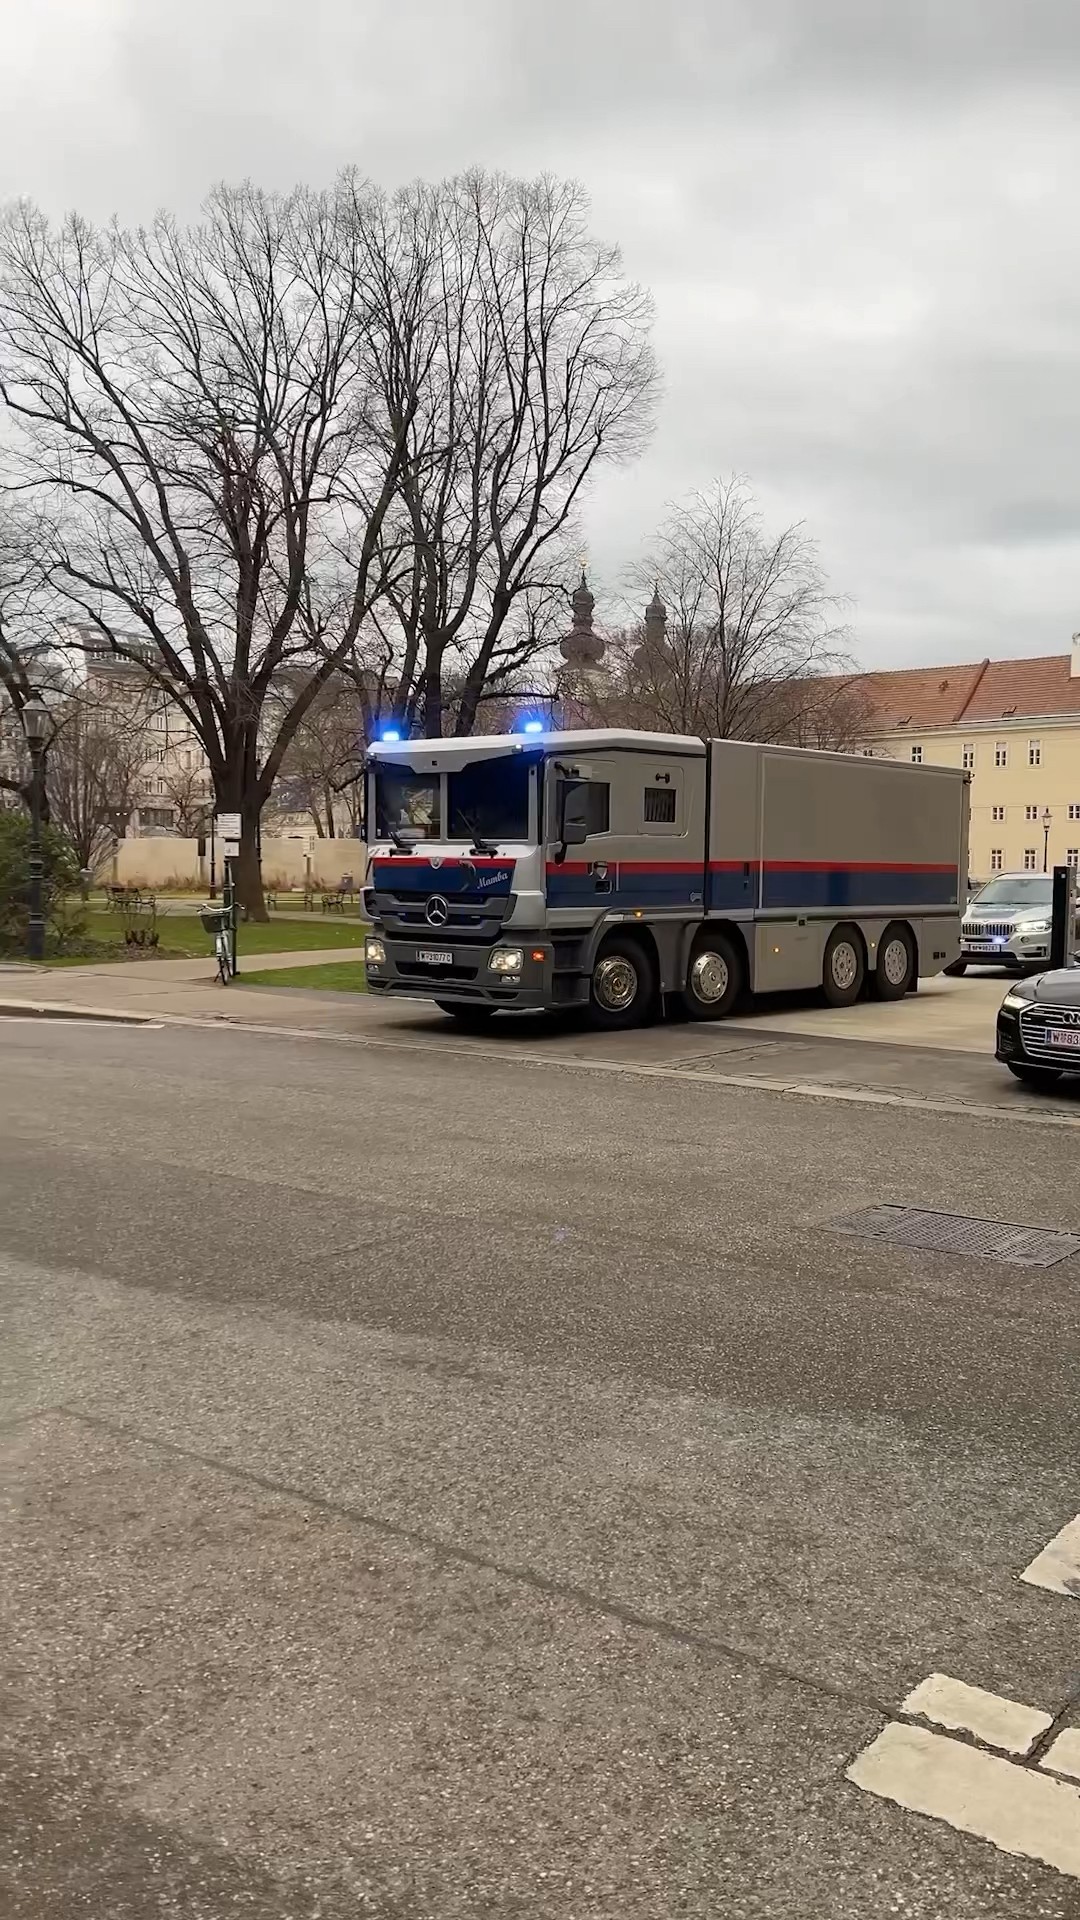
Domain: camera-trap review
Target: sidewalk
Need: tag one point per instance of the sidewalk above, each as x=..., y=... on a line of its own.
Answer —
x=188, y=990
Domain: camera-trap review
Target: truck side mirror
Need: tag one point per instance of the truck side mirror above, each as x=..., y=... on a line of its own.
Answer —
x=573, y=813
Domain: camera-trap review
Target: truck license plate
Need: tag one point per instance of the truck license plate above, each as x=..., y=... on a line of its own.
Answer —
x=435, y=956
x=1065, y=1037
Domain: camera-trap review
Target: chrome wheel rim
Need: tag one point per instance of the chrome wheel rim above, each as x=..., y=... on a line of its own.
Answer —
x=845, y=965
x=615, y=983
x=709, y=977
x=894, y=963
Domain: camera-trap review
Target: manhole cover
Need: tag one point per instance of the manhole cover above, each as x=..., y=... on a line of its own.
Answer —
x=957, y=1233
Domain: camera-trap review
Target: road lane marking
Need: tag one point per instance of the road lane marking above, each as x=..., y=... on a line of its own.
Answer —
x=1005, y=1724
x=1057, y=1567
x=1015, y=1808
x=1063, y=1754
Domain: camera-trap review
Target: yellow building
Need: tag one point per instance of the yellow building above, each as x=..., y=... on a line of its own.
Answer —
x=1015, y=724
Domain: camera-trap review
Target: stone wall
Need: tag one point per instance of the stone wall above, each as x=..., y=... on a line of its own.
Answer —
x=166, y=862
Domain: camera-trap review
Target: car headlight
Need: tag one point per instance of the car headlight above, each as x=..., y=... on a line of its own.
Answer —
x=1014, y=1001
x=507, y=960
x=1034, y=926
x=374, y=953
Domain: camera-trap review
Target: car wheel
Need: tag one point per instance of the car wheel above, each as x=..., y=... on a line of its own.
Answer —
x=894, y=969
x=1034, y=1076
x=957, y=970
x=623, y=984
x=844, y=972
x=471, y=1019
x=713, y=977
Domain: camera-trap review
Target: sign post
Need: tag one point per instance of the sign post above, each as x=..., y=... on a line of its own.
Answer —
x=228, y=827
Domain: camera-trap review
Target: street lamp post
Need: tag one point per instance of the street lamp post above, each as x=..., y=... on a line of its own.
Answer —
x=35, y=721
x=118, y=819
x=1047, y=823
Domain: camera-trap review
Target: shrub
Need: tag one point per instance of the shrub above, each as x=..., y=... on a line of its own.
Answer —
x=61, y=879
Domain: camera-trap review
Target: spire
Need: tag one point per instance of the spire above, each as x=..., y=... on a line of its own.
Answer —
x=582, y=648
x=652, y=646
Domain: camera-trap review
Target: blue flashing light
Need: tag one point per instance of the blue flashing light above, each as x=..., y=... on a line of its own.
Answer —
x=389, y=736
x=533, y=726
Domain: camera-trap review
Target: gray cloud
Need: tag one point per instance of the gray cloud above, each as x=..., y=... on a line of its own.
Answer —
x=857, y=219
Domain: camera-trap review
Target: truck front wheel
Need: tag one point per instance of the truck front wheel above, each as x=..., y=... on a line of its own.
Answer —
x=623, y=984
x=713, y=977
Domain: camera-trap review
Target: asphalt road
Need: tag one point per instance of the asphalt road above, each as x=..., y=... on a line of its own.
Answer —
x=451, y=1482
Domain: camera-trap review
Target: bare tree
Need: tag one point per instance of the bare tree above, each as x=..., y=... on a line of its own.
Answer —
x=94, y=767
x=751, y=627
x=539, y=369
x=214, y=416
x=322, y=770
x=188, y=792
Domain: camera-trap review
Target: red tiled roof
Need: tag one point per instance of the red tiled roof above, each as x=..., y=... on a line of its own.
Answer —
x=927, y=697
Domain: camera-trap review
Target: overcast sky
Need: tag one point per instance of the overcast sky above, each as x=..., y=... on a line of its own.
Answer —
x=858, y=219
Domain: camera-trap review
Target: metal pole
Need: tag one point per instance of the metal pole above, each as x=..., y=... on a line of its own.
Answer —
x=228, y=901
x=213, y=849
x=35, y=929
x=1046, y=845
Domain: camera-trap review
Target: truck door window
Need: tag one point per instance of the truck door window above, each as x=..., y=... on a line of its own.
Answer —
x=597, y=802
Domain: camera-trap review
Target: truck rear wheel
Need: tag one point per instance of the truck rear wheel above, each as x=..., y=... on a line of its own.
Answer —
x=623, y=984
x=844, y=972
x=713, y=977
x=895, y=968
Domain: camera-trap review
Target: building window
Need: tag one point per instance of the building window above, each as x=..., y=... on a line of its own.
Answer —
x=1031, y=813
x=996, y=860
x=1072, y=856
x=998, y=813
x=158, y=755
x=916, y=755
x=1034, y=753
x=968, y=756
x=1030, y=860
x=1001, y=754
x=155, y=817
x=1074, y=810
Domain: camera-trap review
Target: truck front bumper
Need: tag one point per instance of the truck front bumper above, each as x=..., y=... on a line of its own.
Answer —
x=462, y=974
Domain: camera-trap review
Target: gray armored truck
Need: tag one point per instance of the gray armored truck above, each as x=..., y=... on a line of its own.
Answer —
x=612, y=870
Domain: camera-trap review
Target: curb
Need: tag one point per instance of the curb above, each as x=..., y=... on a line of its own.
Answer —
x=54, y=1010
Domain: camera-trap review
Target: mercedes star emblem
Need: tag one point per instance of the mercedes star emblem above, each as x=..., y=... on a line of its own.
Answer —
x=437, y=912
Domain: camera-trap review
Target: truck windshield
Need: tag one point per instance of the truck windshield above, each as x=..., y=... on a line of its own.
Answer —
x=490, y=799
x=407, y=804
x=1017, y=890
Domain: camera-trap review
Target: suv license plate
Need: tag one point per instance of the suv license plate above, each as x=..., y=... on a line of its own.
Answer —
x=435, y=956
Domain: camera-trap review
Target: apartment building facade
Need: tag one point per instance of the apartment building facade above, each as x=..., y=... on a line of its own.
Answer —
x=1015, y=726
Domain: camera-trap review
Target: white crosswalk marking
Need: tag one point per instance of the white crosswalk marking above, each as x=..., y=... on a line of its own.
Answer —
x=1016, y=1808
x=1063, y=1755
x=997, y=1722
x=1057, y=1567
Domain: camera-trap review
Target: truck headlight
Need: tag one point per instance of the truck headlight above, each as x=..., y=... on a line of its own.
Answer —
x=374, y=952
x=507, y=960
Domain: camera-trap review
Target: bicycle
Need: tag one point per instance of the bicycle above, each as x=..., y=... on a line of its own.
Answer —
x=224, y=954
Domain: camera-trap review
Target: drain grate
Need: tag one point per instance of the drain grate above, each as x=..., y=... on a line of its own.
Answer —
x=956, y=1233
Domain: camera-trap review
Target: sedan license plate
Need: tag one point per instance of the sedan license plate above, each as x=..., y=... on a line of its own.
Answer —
x=435, y=956
x=1064, y=1037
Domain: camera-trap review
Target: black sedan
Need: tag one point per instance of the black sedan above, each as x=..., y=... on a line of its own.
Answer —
x=1038, y=1027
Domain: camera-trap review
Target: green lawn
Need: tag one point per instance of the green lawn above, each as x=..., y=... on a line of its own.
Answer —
x=335, y=976
x=182, y=936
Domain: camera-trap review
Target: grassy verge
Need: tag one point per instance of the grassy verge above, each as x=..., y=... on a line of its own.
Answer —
x=181, y=937
x=334, y=976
